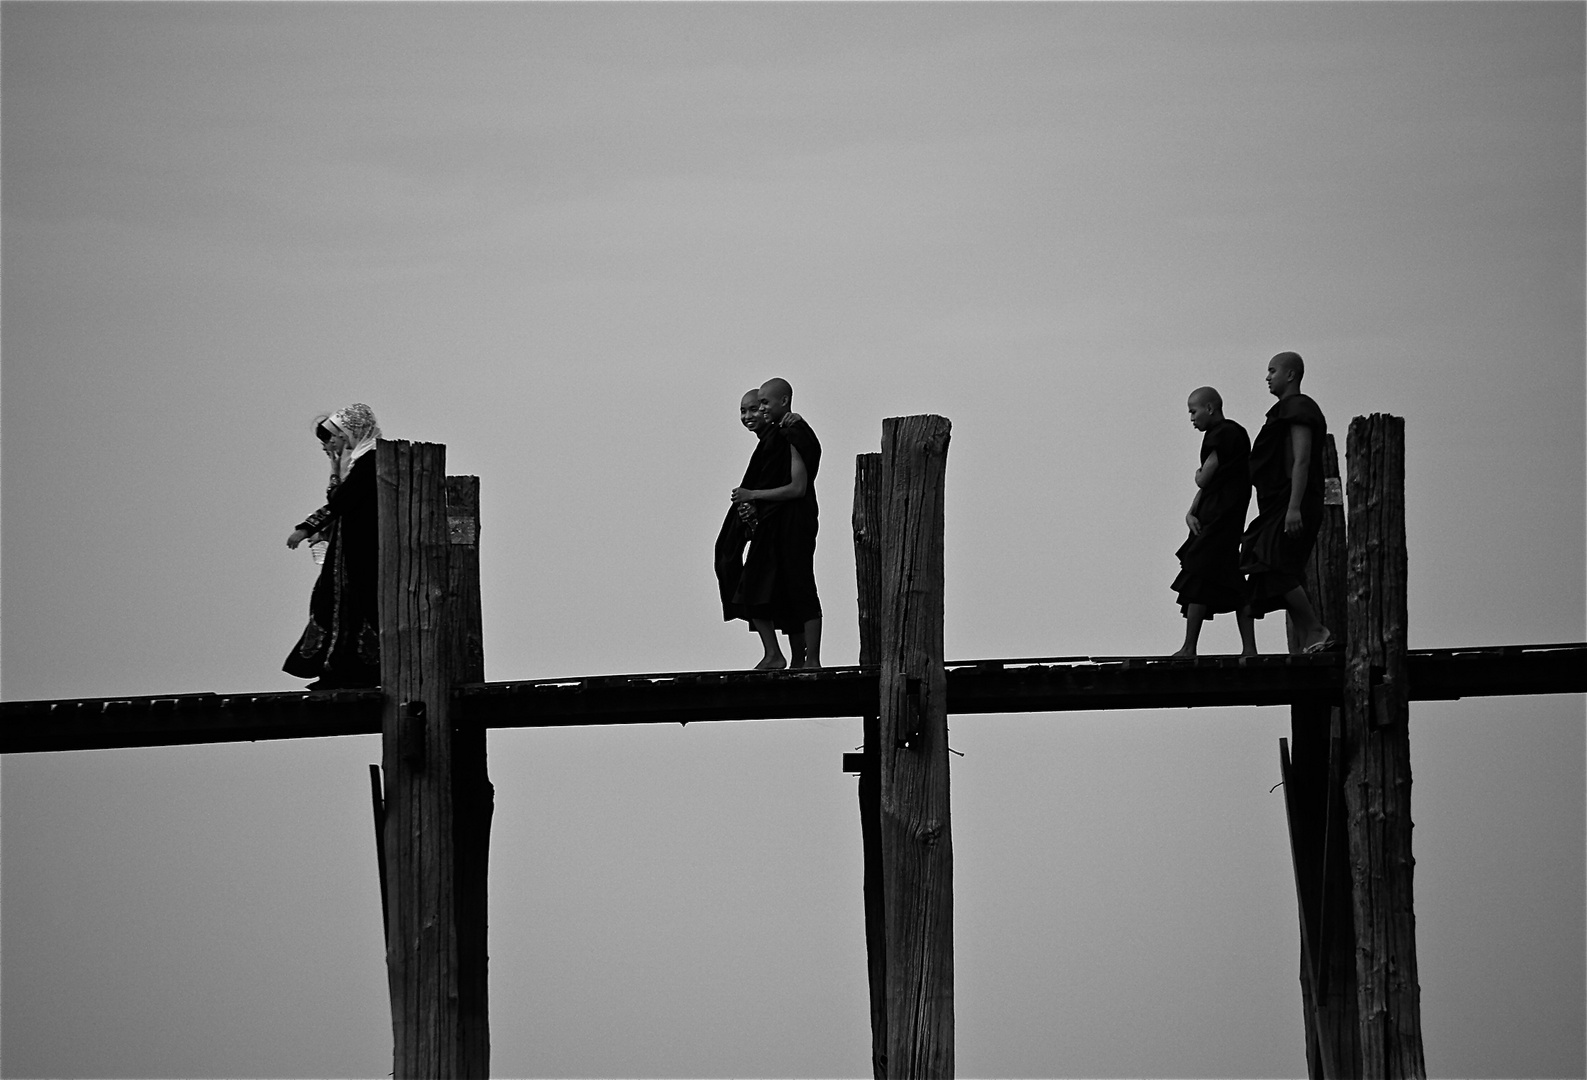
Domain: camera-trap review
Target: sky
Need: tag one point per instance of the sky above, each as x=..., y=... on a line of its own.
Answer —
x=563, y=239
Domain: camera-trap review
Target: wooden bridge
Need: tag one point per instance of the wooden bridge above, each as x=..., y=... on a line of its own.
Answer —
x=974, y=687
x=1347, y=784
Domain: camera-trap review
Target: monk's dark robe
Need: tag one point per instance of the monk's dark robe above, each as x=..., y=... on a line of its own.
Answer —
x=1209, y=561
x=776, y=579
x=1273, y=560
x=768, y=462
x=341, y=644
x=803, y=524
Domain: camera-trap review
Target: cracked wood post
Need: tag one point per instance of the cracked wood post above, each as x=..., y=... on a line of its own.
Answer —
x=472, y=793
x=869, y=521
x=1378, y=755
x=419, y=652
x=1314, y=803
x=916, y=841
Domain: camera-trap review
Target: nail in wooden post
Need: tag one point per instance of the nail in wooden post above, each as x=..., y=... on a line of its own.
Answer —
x=1378, y=754
x=869, y=518
x=1314, y=802
x=473, y=797
x=417, y=670
x=912, y=743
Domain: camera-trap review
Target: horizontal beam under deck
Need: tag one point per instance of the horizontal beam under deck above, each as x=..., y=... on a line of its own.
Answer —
x=1053, y=684
x=183, y=719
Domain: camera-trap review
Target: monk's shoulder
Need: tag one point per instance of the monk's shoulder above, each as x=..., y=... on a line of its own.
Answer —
x=1301, y=409
x=803, y=439
x=1233, y=440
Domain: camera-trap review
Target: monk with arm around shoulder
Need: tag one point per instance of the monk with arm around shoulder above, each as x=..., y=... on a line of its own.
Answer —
x=780, y=567
x=798, y=483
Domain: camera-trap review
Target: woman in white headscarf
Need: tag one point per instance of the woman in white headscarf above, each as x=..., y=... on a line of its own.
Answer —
x=340, y=647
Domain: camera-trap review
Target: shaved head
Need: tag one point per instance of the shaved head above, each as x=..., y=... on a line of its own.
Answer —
x=1206, y=395
x=1292, y=363
x=776, y=398
x=749, y=411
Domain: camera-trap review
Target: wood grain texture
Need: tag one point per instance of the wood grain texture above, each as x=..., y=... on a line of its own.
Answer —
x=869, y=521
x=1314, y=801
x=473, y=797
x=1325, y=570
x=916, y=839
x=417, y=656
x=1377, y=752
x=993, y=685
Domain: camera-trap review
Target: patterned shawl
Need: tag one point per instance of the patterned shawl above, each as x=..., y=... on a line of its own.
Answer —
x=357, y=423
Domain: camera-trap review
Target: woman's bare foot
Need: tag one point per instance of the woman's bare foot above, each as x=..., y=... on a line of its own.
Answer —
x=1325, y=642
x=1186, y=652
x=772, y=663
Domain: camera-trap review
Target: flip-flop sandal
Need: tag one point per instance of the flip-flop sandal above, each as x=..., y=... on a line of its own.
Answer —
x=1327, y=644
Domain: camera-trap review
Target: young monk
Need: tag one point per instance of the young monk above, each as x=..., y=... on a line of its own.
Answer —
x=776, y=398
x=752, y=586
x=1209, y=580
x=738, y=527
x=1286, y=471
x=778, y=583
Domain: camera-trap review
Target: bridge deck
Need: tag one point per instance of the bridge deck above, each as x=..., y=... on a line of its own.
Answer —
x=1038, y=684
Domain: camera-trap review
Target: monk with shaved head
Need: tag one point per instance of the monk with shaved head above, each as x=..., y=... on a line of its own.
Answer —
x=777, y=590
x=1286, y=473
x=1209, y=581
x=738, y=527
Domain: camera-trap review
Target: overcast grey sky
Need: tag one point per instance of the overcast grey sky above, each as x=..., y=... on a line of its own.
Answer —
x=563, y=239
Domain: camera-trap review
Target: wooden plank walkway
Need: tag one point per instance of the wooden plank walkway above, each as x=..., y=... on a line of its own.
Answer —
x=1036, y=684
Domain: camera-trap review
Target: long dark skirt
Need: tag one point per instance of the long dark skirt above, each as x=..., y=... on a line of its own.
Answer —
x=341, y=644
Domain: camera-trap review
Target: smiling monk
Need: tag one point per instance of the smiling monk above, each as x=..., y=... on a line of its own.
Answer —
x=779, y=585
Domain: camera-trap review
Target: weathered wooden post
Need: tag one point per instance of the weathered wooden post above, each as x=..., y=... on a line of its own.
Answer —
x=912, y=744
x=1377, y=752
x=869, y=520
x=473, y=796
x=1314, y=803
x=1325, y=570
x=426, y=969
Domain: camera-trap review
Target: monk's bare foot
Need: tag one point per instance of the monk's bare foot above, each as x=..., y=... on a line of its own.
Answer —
x=771, y=663
x=1185, y=652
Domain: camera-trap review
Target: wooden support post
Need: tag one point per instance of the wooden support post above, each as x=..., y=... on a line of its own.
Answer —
x=869, y=519
x=1325, y=570
x=1377, y=751
x=916, y=840
x=473, y=797
x=1314, y=803
x=418, y=662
